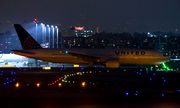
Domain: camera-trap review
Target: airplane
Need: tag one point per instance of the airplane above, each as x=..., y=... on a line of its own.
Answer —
x=111, y=58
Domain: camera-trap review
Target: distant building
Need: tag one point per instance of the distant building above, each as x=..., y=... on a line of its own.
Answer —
x=77, y=32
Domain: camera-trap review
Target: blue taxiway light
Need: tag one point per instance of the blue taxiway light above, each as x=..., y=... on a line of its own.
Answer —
x=154, y=73
x=4, y=83
x=13, y=79
x=10, y=80
x=135, y=94
x=164, y=80
x=163, y=95
x=14, y=72
x=150, y=79
x=146, y=71
x=139, y=73
x=7, y=78
x=166, y=71
x=7, y=82
x=162, y=77
x=178, y=90
x=136, y=91
x=127, y=94
x=1, y=73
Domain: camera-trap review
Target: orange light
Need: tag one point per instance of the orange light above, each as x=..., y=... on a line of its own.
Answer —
x=83, y=84
x=17, y=84
x=38, y=84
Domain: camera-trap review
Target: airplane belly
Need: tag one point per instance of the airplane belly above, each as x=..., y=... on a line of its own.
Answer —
x=140, y=61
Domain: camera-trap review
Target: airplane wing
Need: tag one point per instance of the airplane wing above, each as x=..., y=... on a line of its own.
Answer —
x=26, y=52
x=87, y=57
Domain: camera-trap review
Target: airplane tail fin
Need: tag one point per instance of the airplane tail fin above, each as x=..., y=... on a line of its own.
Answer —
x=27, y=41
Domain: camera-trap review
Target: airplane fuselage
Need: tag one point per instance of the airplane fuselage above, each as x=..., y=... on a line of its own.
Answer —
x=82, y=56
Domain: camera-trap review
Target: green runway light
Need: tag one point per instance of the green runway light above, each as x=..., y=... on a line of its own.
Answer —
x=69, y=81
x=107, y=70
x=164, y=66
x=124, y=69
x=151, y=68
x=86, y=71
x=66, y=52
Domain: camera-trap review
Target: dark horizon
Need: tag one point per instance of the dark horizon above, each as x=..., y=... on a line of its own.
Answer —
x=110, y=16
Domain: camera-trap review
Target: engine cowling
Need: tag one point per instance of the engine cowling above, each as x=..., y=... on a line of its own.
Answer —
x=112, y=64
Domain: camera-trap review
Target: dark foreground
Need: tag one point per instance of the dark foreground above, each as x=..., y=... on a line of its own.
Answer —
x=103, y=88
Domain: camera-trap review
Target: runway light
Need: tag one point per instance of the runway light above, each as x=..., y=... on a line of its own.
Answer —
x=17, y=85
x=59, y=84
x=162, y=95
x=69, y=81
x=46, y=68
x=73, y=82
x=27, y=84
x=107, y=70
x=38, y=84
x=83, y=84
x=127, y=94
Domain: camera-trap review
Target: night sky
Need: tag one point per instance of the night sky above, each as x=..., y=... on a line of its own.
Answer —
x=108, y=15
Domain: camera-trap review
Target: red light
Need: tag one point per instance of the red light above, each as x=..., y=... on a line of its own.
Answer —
x=52, y=83
x=35, y=20
x=64, y=75
x=57, y=80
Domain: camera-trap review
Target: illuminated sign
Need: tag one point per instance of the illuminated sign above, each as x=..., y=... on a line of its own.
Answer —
x=79, y=28
x=130, y=52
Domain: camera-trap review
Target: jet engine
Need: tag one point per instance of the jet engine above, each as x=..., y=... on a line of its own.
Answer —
x=112, y=64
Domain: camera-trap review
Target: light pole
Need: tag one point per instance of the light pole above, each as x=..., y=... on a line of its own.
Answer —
x=57, y=36
x=49, y=34
x=53, y=34
x=36, y=21
x=42, y=32
x=36, y=31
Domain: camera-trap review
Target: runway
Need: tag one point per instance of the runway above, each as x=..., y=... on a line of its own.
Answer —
x=102, y=87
